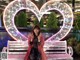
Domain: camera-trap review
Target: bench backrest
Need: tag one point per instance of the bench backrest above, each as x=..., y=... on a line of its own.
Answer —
x=49, y=47
x=17, y=46
x=56, y=47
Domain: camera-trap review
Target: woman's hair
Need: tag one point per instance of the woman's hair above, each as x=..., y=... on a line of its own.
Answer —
x=36, y=27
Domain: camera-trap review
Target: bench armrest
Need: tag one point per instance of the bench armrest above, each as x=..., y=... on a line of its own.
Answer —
x=4, y=49
x=70, y=50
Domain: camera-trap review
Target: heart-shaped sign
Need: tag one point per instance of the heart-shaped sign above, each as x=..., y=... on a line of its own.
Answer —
x=15, y=6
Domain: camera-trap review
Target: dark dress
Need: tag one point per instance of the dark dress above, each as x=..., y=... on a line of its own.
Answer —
x=34, y=53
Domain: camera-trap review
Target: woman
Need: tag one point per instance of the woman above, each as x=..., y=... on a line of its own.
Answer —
x=35, y=42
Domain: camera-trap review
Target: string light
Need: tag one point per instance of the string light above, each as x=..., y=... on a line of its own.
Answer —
x=15, y=6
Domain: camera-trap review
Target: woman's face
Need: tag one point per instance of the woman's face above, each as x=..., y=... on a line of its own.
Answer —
x=36, y=30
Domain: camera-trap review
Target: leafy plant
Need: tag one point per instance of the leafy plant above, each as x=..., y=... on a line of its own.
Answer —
x=75, y=44
x=77, y=22
x=52, y=21
x=77, y=48
x=41, y=22
x=21, y=19
x=76, y=30
x=36, y=22
x=72, y=41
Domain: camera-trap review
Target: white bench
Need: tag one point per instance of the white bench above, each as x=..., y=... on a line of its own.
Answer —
x=56, y=50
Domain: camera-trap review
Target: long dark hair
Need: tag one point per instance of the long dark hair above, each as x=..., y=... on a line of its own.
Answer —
x=36, y=27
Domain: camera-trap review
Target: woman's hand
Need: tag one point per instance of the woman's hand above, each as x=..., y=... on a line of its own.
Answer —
x=38, y=40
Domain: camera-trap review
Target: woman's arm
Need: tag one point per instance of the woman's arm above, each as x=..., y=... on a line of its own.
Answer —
x=29, y=40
